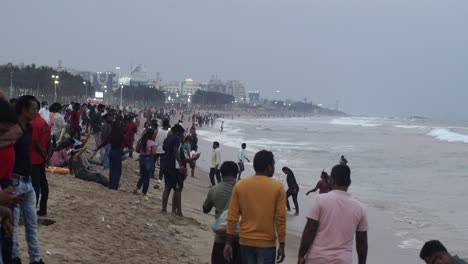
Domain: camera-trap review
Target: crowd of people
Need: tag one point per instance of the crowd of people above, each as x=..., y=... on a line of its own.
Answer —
x=250, y=213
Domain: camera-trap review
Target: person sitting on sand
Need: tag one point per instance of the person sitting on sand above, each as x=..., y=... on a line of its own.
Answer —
x=81, y=171
x=60, y=157
x=333, y=221
x=434, y=252
x=219, y=197
x=323, y=185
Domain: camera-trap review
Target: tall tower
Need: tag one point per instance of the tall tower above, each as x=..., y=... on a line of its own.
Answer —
x=337, y=105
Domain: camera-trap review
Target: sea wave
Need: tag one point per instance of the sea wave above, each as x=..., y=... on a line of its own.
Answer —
x=444, y=134
x=355, y=121
x=410, y=127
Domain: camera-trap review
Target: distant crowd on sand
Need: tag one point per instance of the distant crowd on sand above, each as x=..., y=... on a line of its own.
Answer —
x=250, y=213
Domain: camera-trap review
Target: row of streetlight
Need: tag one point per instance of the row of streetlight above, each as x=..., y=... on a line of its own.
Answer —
x=55, y=79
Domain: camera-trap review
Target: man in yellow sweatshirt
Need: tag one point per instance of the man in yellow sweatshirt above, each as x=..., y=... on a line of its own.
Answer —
x=260, y=203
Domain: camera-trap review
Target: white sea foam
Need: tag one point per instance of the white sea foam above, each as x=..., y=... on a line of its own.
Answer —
x=444, y=134
x=411, y=244
x=355, y=121
x=410, y=127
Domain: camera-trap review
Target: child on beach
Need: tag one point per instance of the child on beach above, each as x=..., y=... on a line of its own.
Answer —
x=323, y=185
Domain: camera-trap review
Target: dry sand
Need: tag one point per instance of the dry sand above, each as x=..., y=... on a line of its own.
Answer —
x=98, y=225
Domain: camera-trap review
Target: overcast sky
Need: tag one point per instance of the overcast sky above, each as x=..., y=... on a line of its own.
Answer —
x=377, y=57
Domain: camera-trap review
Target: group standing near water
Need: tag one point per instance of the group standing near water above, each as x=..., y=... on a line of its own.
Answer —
x=250, y=213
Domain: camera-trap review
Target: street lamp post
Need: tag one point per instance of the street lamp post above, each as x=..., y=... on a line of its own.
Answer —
x=55, y=78
x=86, y=87
x=120, y=85
x=11, y=85
x=121, y=93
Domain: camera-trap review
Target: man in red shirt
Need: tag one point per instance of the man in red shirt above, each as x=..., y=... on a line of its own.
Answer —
x=75, y=116
x=39, y=150
x=129, y=131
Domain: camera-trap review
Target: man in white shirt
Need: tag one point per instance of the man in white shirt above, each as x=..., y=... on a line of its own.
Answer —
x=215, y=163
x=241, y=160
x=44, y=112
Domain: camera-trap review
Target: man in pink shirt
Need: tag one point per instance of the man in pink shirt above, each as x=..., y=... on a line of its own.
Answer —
x=333, y=220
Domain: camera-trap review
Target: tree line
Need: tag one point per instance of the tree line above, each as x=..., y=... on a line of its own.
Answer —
x=38, y=81
x=212, y=98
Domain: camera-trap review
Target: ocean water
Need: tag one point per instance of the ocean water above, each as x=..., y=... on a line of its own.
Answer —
x=416, y=170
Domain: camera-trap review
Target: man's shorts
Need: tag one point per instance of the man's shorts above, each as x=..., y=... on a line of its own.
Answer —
x=173, y=179
x=241, y=166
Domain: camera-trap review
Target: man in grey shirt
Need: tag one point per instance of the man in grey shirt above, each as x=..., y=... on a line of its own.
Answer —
x=219, y=197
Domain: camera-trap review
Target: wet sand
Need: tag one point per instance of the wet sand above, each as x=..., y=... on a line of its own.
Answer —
x=97, y=225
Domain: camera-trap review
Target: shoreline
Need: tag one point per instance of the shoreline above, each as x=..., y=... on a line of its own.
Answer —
x=383, y=243
x=97, y=225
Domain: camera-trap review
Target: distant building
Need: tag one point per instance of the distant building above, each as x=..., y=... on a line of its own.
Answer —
x=139, y=75
x=236, y=89
x=217, y=86
x=254, y=97
x=187, y=87
x=233, y=87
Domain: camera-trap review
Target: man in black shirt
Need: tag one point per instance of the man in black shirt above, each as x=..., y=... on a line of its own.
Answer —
x=293, y=189
x=173, y=174
x=27, y=108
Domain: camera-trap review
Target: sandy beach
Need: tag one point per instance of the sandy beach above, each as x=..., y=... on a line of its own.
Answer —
x=97, y=225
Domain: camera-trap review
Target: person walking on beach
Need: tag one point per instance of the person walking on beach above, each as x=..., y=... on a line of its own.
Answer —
x=129, y=131
x=26, y=108
x=323, y=185
x=215, y=163
x=293, y=189
x=242, y=157
x=10, y=132
x=39, y=152
x=75, y=116
x=434, y=252
x=219, y=197
x=173, y=170
x=333, y=221
x=147, y=150
x=105, y=133
x=96, y=126
x=115, y=141
x=161, y=135
x=259, y=201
